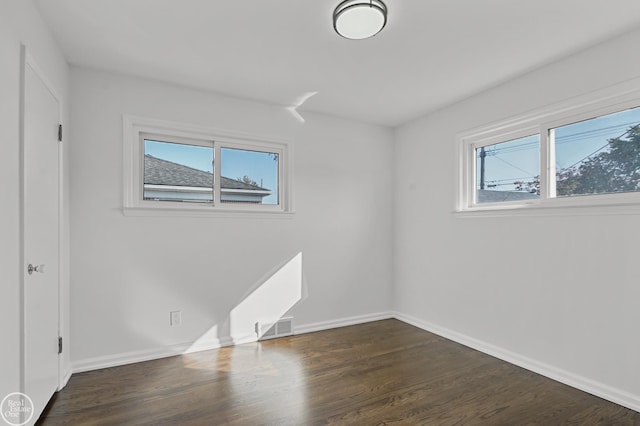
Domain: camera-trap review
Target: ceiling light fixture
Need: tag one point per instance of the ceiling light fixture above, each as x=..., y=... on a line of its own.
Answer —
x=358, y=19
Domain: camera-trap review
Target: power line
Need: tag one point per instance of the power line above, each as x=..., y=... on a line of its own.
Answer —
x=590, y=133
x=512, y=165
x=494, y=185
x=512, y=179
x=603, y=147
x=493, y=150
x=574, y=137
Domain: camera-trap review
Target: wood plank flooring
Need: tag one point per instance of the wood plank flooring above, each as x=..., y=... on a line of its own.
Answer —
x=379, y=373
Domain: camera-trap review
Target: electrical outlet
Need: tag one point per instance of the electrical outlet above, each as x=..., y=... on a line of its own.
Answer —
x=176, y=318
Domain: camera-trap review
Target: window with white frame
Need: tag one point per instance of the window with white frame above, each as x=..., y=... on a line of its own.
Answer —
x=587, y=155
x=508, y=171
x=598, y=156
x=170, y=166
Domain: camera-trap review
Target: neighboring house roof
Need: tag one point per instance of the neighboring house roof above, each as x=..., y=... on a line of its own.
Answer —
x=488, y=196
x=163, y=172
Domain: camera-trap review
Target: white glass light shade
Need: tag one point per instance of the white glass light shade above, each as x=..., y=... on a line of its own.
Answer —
x=358, y=19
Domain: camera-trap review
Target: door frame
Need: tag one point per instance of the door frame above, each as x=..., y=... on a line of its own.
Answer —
x=26, y=60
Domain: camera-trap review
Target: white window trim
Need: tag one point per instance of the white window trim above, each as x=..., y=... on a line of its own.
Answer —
x=606, y=101
x=135, y=128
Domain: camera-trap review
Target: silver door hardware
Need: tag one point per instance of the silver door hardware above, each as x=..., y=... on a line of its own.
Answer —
x=38, y=268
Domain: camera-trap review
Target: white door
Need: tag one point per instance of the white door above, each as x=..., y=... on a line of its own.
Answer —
x=41, y=240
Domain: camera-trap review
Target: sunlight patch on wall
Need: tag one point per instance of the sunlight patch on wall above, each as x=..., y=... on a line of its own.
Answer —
x=268, y=302
x=208, y=339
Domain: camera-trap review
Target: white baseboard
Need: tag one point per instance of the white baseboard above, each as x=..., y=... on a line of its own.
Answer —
x=65, y=376
x=342, y=322
x=115, y=360
x=587, y=385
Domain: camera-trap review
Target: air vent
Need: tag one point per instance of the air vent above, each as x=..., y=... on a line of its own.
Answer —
x=283, y=327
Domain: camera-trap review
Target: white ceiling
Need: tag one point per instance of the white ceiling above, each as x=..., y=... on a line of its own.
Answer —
x=431, y=53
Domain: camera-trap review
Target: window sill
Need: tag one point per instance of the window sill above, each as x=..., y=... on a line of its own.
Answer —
x=541, y=210
x=209, y=213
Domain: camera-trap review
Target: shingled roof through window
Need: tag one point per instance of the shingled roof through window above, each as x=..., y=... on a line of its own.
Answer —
x=162, y=172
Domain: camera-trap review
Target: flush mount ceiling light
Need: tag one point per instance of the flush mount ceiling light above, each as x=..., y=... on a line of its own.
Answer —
x=358, y=19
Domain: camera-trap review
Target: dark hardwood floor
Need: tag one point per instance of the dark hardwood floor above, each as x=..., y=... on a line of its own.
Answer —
x=380, y=373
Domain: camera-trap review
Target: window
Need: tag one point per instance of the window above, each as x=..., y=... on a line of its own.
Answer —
x=598, y=156
x=257, y=176
x=586, y=154
x=177, y=172
x=176, y=167
x=508, y=171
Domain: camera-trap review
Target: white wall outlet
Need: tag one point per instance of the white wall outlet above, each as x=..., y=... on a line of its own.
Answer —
x=176, y=318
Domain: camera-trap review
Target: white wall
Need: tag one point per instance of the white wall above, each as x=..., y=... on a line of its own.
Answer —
x=129, y=272
x=559, y=294
x=20, y=23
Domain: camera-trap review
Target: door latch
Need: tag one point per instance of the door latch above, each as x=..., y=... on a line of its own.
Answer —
x=37, y=268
